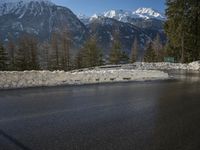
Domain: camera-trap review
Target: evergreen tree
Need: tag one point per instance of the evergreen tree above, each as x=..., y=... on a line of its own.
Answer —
x=22, y=59
x=3, y=59
x=174, y=27
x=193, y=29
x=134, y=50
x=158, y=48
x=91, y=54
x=45, y=55
x=124, y=58
x=115, y=54
x=116, y=49
x=11, y=48
x=182, y=29
x=33, y=47
x=150, y=55
x=26, y=55
x=65, y=47
x=78, y=61
x=55, y=59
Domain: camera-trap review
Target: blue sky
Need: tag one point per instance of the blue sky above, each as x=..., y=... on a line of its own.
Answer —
x=89, y=7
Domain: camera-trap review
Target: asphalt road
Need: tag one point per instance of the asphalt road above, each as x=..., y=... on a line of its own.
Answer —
x=161, y=115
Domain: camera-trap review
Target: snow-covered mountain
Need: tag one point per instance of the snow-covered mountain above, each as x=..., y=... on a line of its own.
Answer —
x=119, y=15
x=39, y=18
x=147, y=19
x=148, y=13
x=83, y=18
x=144, y=13
x=125, y=15
x=19, y=7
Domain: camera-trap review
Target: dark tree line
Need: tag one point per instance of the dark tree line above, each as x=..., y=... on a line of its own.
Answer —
x=3, y=58
x=27, y=54
x=20, y=56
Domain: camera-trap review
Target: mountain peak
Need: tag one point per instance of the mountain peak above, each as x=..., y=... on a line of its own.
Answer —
x=148, y=13
x=145, y=10
x=124, y=15
x=119, y=14
x=82, y=16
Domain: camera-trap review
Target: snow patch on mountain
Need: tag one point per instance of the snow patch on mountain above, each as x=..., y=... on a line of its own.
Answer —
x=148, y=13
x=82, y=16
x=18, y=7
x=93, y=17
x=119, y=15
x=125, y=15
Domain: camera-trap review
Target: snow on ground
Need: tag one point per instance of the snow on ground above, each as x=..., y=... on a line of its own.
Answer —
x=194, y=66
x=114, y=73
x=46, y=78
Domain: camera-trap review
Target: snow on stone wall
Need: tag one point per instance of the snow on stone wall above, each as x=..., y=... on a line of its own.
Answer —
x=117, y=73
x=46, y=78
x=194, y=66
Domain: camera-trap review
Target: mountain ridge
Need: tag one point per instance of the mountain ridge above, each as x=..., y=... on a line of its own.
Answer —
x=125, y=15
x=16, y=6
x=40, y=18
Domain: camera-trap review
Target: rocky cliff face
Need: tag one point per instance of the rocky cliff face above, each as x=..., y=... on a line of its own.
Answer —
x=39, y=18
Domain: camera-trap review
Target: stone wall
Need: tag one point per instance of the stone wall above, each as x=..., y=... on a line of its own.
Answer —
x=46, y=78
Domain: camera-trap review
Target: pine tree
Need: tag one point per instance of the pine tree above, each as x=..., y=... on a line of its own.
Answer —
x=65, y=47
x=115, y=54
x=124, y=58
x=150, y=55
x=3, y=59
x=78, y=61
x=33, y=46
x=22, y=58
x=175, y=26
x=26, y=55
x=55, y=56
x=116, y=49
x=193, y=31
x=158, y=48
x=11, y=48
x=182, y=29
x=21, y=62
x=45, y=54
x=134, y=50
x=91, y=54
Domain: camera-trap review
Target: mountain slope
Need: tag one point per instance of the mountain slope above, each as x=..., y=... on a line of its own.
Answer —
x=106, y=30
x=150, y=21
x=39, y=18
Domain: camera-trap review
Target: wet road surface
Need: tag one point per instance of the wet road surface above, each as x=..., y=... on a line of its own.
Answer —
x=159, y=115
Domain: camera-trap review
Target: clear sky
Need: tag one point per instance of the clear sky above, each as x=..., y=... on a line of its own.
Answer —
x=89, y=7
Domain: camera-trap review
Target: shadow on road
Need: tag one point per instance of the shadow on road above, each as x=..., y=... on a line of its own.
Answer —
x=14, y=141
